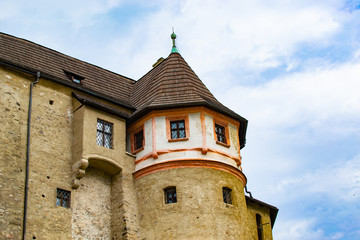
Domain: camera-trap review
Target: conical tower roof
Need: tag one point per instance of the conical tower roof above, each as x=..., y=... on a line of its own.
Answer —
x=170, y=83
x=173, y=84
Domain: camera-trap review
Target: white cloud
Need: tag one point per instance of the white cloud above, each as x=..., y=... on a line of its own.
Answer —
x=303, y=229
x=335, y=182
x=298, y=229
x=229, y=44
x=219, y=36
x=75, y=13
x=321, y=98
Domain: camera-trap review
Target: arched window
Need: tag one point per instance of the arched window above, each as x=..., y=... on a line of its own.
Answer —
x=227, y=195
x=170, y=195
x=259, y=227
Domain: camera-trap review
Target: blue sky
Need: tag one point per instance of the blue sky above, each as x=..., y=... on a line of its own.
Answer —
x=292, y=68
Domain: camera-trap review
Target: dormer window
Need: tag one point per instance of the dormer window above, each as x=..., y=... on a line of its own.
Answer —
x=76, y=80
x=74, y=77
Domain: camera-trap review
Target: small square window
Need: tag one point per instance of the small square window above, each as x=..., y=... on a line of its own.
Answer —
x=177, y=129
x=227, y=195
x=104, y=133
x=63, y=198
x=170, y=195
x=139, y=140
x=220, y=133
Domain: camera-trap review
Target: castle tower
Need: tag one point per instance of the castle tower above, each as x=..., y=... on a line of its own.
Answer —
x=189, y=182
x=91, y=154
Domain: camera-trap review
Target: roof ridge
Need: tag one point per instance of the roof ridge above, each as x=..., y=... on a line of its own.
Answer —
x=170, y=79
x=63, y=54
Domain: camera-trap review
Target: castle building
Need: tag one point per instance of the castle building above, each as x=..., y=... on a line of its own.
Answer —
x=90, y=154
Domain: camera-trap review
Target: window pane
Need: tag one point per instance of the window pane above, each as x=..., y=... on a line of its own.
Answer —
x=99, y=125
x=177, y=129
x=170, y=195
x=104, y=133
x=182, y=134
x=138, y=138
x=99, y=138
x=107, y=142
x=107, y=128
x=227, y=195
x=63, y=198
x=220, y=133
x=174, y=135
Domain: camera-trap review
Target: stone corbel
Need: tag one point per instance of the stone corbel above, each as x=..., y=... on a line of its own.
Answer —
x=78, y=172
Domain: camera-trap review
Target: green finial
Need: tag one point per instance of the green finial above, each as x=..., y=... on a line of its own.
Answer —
x=173, y=37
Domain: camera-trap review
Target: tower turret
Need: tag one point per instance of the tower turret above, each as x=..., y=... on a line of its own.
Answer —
x=188, y=162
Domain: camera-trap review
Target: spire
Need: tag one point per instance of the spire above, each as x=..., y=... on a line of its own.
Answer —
x=173, y=37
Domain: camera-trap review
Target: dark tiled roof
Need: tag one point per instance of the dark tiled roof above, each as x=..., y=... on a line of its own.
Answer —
x=31, y=56
x=172, y=83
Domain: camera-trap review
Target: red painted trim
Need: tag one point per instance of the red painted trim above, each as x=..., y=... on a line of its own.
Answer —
x=203, y=133
x=164, y=151
x=153, y=132
x=188, y=163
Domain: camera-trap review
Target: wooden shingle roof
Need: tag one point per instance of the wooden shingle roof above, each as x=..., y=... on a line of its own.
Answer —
x=171, y=84
x=54, y=65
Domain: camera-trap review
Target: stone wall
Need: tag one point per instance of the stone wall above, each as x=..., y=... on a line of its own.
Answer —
x=199, y=213
x=251, y=227
x=14, y=91
x=51, y=162
x=109, y=203
x=91, y=208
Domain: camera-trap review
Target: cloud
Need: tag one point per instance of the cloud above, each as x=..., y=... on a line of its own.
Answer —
x=290, y=67
x=336, y=182
x=299, y=229
x=241, y=37
x=320, y=98
x=75, y=13
x=304, y=229
x=314, y=206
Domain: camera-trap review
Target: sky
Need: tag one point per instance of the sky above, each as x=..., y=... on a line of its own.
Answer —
x=291, y=68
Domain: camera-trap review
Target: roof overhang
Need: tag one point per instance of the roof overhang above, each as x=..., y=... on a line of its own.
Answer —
x=242, y=121
x=99, y=105
x=273, y=210
x=32, y=71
